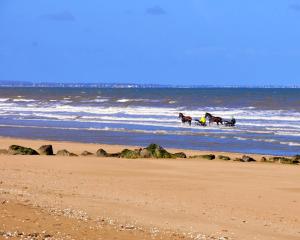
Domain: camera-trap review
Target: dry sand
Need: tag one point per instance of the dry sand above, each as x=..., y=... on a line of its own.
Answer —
x=110, y=198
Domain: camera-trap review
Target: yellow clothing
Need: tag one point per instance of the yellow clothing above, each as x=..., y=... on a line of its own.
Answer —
x=203, y=120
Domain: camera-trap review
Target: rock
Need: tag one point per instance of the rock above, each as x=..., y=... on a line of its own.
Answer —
x=145, y=153
x=208, y=156
x=65, y=152
x=284, y=160
x=274, y=159
x=263, y=159
x=224, y=157
x=101, y=153
x=289, y=161
x=247, y=159
x=179, y=155
x=132, y=154
x=46, y=150
x=157, y=151
x=297, y=157
x=3, y=151
x=116, y=155
x=86, y=153
x=19, y=150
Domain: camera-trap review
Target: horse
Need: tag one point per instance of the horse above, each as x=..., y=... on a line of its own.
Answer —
x=185, y=119
x=213, y=119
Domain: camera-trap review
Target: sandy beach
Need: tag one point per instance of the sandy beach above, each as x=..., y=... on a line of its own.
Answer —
x=59, y=197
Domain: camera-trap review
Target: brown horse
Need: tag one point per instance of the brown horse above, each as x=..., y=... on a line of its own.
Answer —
x=213, y=119
x=185, y=119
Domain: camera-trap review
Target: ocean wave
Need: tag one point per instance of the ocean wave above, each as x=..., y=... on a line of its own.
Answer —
x=97, y=100
x=125, y=119
x=282, y=133
x=125, y=100
x=290, y=143
x=23, y=100
x=242, y=116
x=112, y=129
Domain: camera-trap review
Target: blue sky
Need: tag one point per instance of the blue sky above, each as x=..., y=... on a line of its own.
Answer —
x=168, y=41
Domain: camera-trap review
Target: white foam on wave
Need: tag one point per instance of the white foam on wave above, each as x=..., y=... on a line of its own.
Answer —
x=23, y=100
x=125, y=119
x=111, y=129
x=124, y=100
x=282, y=133
x=248, y=121
x=4, y=99
x=293, y=144
x=97, y=100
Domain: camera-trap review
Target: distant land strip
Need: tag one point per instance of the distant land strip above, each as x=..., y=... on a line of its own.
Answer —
x=5, y=83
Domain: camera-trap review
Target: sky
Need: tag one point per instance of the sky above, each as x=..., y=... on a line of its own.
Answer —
x=190, y=42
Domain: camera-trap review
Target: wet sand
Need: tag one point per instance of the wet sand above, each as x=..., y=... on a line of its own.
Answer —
x=115, y=198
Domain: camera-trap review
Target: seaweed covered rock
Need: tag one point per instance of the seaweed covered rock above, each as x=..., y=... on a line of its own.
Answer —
x=263, y=159
x=86, y=153
x=208, y=156
x=224, y=158
x=284, y=160
x=157, y=151
x=246, y=158
x=19, y=150
x=101, y=153
x=45, y=150
x=65, y=152
x=296, y=157
x=179, y=155
x=116, y=155
x=145, y=153
x=289, y=161
x=132, y=154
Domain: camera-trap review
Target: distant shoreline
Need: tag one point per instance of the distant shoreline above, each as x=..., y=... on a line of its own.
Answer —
x=10, y=84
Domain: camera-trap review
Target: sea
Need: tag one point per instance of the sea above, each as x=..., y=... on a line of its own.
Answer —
x=268, y=120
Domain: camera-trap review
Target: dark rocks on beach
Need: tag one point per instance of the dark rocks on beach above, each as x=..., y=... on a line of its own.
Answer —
x=263, y=159
x=297, y=157
x=101, y=153
x=180, y=155
x=152, y=151
x=19, y=150
x=289, y=161
x=224, y=158
x=3, y=151
x=157, y=151
x=86, y=153
x=46, y=150
x=132, y=154
x=208, y=156
x=246, y=158
x=65, y=152
x=145, y=153
x=284, y=160
x=116, y=155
